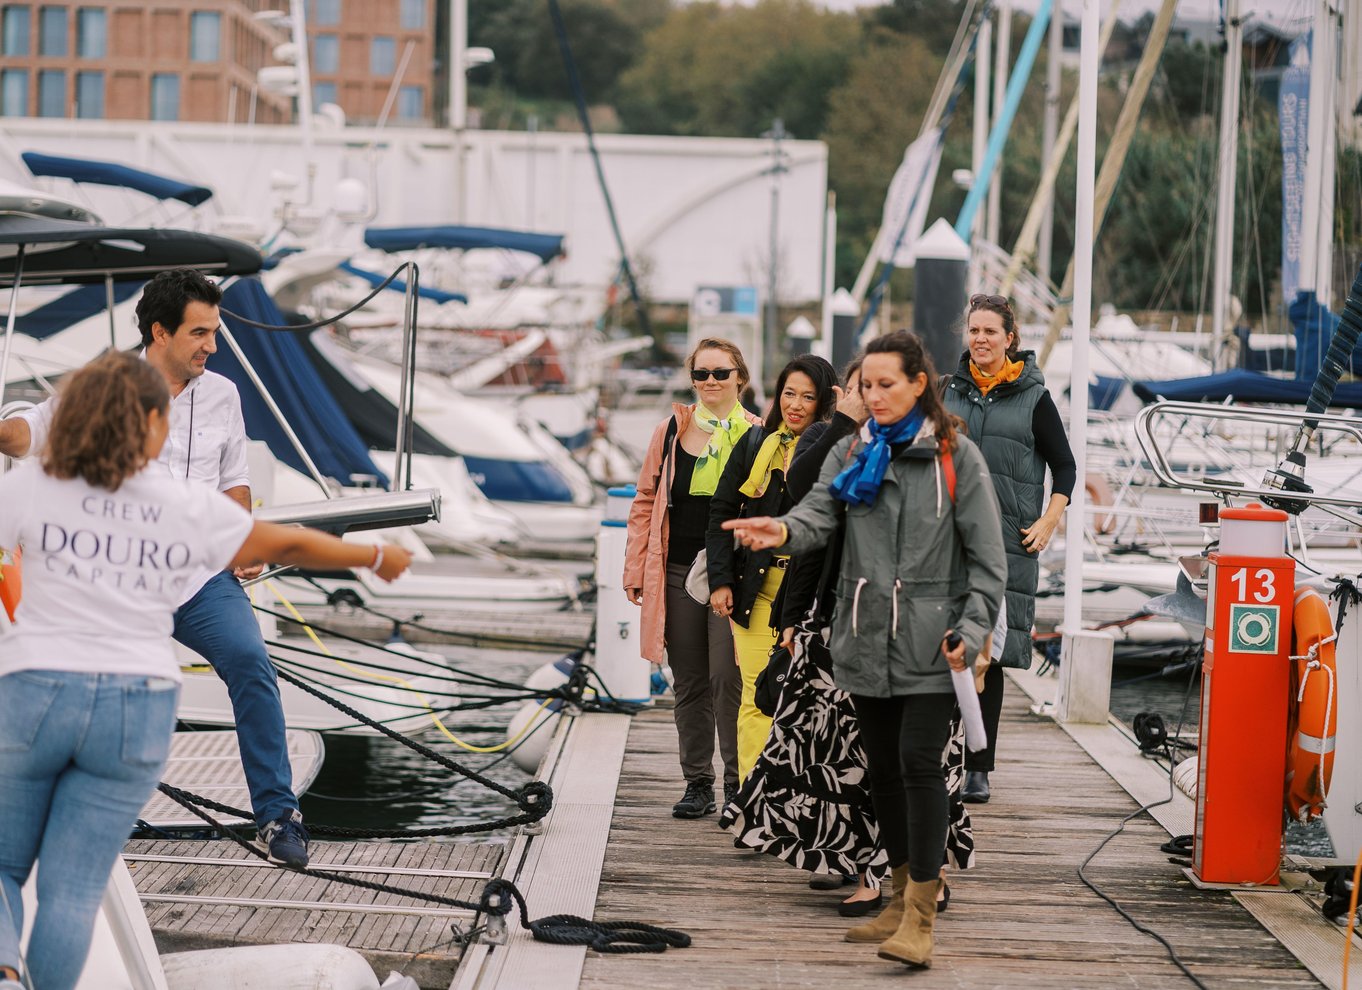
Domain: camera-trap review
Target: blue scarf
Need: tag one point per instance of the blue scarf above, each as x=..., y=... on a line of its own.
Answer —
x=859, y=482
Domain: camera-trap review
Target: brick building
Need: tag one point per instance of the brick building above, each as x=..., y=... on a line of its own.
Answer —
x=198, y=59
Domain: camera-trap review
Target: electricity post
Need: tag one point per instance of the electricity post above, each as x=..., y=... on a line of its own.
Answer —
x=770, y=345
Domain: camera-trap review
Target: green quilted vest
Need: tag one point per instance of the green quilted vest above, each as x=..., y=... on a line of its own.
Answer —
x=1000, y=423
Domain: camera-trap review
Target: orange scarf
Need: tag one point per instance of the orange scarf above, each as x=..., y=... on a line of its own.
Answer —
x=1010, y=372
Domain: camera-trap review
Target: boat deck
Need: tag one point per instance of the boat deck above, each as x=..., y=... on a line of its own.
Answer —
x=213, y=894
x=1020, y=918
x=208, y=762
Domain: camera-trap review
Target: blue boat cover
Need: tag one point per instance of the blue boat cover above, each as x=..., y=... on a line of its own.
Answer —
x=400, y=285
x=545, y=246
x=69, y=309
x=113, y=174
x=1314, y=326
x=279, y=360
x=1103, y=393
x=1244, y=386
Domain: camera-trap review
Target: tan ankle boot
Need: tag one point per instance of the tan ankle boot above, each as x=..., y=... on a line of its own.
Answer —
x=884, y=924
x=912, y=942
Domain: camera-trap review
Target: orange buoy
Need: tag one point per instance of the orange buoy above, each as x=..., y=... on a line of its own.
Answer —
x=1310, y=764
x=11, y=583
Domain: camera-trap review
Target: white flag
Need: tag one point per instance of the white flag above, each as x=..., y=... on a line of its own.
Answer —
x=910, y=190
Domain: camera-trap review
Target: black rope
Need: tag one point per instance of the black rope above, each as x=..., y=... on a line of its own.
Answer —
x=485, y=680
x=535, y=797
x=318, y=324
x=345, y=596
x=496, y=899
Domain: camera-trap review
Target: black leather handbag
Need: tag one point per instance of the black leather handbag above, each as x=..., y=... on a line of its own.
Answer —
x=772, y=679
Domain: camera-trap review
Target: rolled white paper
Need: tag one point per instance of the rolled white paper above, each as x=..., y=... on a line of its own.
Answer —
x=975, y=736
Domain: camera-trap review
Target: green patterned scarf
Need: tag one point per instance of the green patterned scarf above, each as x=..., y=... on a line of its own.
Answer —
x=723, y=434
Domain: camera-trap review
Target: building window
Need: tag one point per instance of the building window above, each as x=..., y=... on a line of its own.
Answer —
x=205, y=28
x=92, y=33
x=325, y=12
x=51, y=93
x=323, y=92
x=413, y=15
x=165, y=96
x=326, y=54
x=410, y=103
x=90, y=95
x=382, y=56
x=52, y=36
x=16, y=31
x=14, y=93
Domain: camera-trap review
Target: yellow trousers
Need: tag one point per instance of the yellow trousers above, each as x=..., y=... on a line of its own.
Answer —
x=753, y=646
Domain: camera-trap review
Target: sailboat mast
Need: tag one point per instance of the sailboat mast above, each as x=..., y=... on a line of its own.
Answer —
x=981, y=122
x=1318, y=199
x=1229, y=159
x=1050, y=133
x=1002, y=54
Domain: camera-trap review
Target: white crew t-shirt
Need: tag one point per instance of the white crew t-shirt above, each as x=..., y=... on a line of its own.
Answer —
x=206, y=442
x=105, y=571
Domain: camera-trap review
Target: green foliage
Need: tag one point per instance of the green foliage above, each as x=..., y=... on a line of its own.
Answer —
x=729, y=70
x=605, y=39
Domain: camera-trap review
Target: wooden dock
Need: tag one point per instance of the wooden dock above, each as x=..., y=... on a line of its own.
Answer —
x=1020, y=918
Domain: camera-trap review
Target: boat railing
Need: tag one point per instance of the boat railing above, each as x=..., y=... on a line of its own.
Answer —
x=1150, y=429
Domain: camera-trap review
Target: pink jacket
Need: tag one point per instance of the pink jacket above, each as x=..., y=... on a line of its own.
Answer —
x=645, y=551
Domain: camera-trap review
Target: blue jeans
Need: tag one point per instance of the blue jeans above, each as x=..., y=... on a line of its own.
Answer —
x=79, y=756
x=219, y=624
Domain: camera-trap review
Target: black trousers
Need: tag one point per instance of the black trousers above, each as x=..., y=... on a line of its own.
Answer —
x=903, y=739
x=991, y=705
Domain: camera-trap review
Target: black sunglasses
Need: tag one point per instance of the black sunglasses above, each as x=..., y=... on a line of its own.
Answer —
x=720, y=374
x=984, y=299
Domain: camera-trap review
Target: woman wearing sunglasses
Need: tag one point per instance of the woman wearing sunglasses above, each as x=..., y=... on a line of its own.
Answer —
x=667, y=525
x=744, y=584
x=1000, y=394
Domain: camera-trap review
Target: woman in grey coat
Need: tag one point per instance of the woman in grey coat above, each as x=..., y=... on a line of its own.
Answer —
x=922, y=556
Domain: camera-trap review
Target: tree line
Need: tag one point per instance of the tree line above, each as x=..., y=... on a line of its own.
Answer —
x=861, y=81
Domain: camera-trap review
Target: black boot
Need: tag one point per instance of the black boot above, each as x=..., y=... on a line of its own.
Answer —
x=975, y=789
x=698, y=800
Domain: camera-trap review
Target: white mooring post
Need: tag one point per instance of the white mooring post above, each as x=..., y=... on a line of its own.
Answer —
x=1085, y=657
x=1084, y=676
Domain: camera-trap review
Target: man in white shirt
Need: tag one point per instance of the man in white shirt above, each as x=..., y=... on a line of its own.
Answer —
x=179, y=318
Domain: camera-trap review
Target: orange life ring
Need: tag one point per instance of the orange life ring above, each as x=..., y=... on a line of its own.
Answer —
x=1310, y=764
x=11, y=583
x=1099, y=493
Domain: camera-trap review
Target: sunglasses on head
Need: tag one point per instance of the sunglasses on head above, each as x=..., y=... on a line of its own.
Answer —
x=720, y=374
x=984, y=299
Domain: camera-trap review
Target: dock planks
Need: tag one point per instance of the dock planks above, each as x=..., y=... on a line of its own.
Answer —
x=233, y=900
x=1021, y=918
